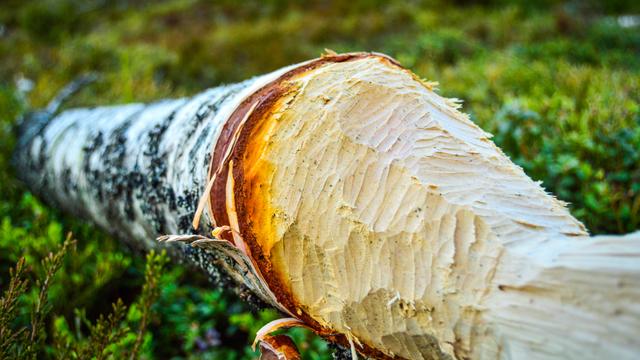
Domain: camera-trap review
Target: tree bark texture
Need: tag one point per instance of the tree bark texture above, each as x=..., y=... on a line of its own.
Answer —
x=347, y=194
x=135, y=170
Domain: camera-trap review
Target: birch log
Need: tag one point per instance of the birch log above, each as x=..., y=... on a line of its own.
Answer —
x=358, y=202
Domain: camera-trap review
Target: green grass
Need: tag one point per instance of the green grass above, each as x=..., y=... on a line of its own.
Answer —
x=558, y=84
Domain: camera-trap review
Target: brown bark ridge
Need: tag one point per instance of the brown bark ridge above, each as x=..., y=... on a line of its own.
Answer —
x=346, y=193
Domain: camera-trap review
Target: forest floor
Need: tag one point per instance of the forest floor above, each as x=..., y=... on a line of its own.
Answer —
x=557, y=83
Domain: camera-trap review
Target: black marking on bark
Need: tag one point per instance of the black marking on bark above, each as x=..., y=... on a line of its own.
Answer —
x=129, y=214
x=154, y=190
x=41, y=163
x=200, y=141
x=339, y=353
x=188, y=202
x=68, y=185
x=184, y=224
x=93, y=175
x=207, y=160
x=134, y=181
x=113, y=182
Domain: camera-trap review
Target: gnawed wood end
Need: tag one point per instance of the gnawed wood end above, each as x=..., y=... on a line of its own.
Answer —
x=379, y=215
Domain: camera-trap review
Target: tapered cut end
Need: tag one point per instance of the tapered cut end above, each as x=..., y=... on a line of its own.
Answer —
x=363, y=199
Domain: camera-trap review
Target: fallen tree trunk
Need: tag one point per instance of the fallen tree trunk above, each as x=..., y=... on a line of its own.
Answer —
x=346, y=193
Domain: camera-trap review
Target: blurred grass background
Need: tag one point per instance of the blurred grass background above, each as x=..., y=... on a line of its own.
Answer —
x=556, y=82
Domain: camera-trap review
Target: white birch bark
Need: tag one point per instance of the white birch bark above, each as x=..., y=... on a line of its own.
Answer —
x=138, y=170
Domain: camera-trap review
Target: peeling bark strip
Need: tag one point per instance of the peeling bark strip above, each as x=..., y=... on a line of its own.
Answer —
x=351, y=196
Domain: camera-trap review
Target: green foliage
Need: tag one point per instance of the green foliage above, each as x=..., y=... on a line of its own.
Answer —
x=150, y=293
x=212, y=325
x=27, y=342
x=120, y=334
x=557, y=82
x=603, y=168
x=9, y=337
